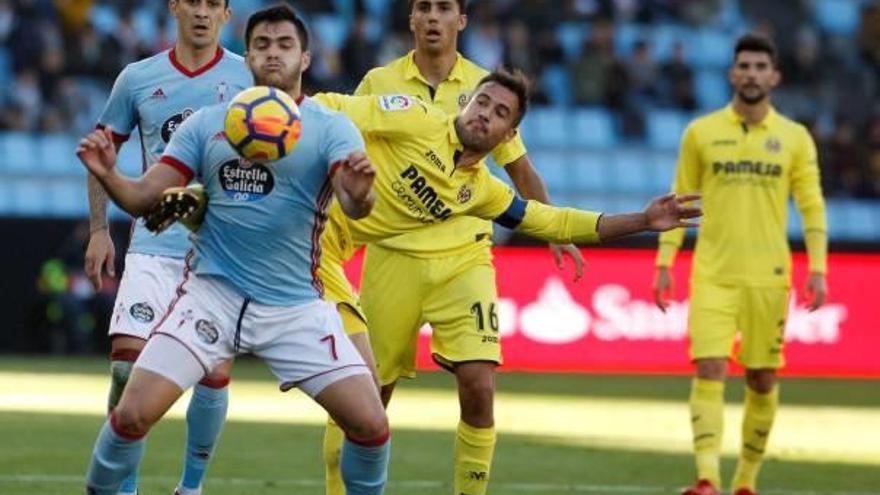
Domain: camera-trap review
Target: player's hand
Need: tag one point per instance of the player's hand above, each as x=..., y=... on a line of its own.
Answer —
x=97, y=152
x=100, y=256
x=670, y=212
x=184, y=204
x=356, y=176
x=664, y=286
x=816, y=290
x=559, y=250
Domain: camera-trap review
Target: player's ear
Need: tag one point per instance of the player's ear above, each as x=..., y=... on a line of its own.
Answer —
x=412, y=27
x=462, y=22
x=306, y=60
x=777, y=77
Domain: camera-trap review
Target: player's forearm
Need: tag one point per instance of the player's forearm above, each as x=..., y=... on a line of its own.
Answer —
x=356, y=208
x=559, y=225
x=97, y=204
x=612, y=227
x=528, y=183
x=135, y=197
x=669, y=244
x=816, y=242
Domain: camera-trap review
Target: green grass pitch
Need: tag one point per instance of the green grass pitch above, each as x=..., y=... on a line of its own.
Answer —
x=558, y=434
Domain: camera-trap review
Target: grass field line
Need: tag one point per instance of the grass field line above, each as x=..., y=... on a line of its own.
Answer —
x=624, y=424
x=412, y=484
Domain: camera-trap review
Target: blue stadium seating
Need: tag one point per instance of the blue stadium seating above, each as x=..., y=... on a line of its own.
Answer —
x=546, y=128
x=712, y=88
x=571, y=36
x=29, y=197
x=856, y=220
x=57, y=155
x=714, y=48
x=557, y=85
x=591, y=128
x=67, y=198
x=633, y=171
x=332, y=30
x=591, y=172
x=837, y=16
x=18, y=150
x=554, y=169
x=664, y=128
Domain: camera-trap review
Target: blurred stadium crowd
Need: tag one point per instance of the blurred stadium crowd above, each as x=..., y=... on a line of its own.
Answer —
x=637, y=64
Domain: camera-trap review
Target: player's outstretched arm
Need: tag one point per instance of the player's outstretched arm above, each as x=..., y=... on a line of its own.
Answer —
x=664, y=213
x=98, y=154
x=353, y=185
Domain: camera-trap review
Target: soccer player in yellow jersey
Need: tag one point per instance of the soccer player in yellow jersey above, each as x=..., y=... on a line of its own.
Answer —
x=428, y=173
x=442, y=274
x=745, y=159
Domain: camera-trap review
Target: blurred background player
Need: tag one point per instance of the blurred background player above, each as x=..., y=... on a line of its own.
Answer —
x=437, y=73
x=156, y=95
x=250, y=283
x=746, y=159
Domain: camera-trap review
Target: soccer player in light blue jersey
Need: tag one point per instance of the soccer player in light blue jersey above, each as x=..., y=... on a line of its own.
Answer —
x=250, y=282
x=156, y=95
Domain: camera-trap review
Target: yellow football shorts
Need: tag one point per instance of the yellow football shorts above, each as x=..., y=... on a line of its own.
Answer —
x=717, y=312
x=455, y=294
x=335, y=250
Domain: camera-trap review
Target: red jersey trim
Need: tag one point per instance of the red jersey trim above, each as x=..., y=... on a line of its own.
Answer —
x=117, y=138
x=179, y=166
x=172, y=55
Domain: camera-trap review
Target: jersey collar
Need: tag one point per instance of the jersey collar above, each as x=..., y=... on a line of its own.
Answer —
x=453, y=134
x=201, y=70
x=768, y=121
x=411, y=70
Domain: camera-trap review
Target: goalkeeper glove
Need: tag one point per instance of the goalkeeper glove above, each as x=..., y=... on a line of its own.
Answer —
x=184, y=204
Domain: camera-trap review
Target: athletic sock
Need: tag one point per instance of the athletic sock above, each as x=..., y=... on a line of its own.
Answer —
x=474, y=450
x=707, y=422
x=121, y=363
x=333, y=438
x=364, y=466
x=114, y=457
x=758, y=415
x=204, y=421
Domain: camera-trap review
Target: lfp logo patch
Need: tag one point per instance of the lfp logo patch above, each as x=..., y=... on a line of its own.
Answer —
x=395, y=103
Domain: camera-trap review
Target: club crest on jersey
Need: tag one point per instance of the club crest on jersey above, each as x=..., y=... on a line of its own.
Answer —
x=395, y=103
x=207, y=331
x=222, y=90
x=773, y=145
x=243, y=180
x=462, y=100
x=173, y=122
x=142, y=312
x=464, y=194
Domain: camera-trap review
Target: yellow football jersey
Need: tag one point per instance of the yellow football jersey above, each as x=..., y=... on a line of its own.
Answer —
x=414, y=145
x=402, y=76
x=746, y=174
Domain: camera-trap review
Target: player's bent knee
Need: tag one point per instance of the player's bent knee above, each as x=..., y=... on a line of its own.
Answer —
x=128, y=421
x=370, y=428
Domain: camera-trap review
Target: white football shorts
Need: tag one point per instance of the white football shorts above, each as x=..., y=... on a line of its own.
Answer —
x=145, y=291
x=305, y=346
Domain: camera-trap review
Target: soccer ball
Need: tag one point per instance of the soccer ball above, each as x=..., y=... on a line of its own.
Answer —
x=263, y=124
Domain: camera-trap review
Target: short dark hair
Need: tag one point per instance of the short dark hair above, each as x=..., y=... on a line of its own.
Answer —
x=754, y=42
x=517, y=82
x=461, y=5
x=277, y=13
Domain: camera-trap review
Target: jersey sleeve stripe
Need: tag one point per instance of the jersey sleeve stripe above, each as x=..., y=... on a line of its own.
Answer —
x=117, y=138
x=335, y=166
x=513, y=215
x=177, y=165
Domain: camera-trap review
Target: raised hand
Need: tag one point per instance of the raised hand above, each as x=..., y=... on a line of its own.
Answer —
x=670, y=212
x=357, y=175
x=97, y=152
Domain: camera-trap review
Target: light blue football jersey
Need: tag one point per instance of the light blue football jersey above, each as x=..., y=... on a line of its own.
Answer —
x=264, y=221
x=157, y=94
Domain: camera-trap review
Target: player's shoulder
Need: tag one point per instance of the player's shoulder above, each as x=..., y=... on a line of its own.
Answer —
x=788, y=126
x=471, y=71
x=145, y=68
x=393, y=69
x=230, y=56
